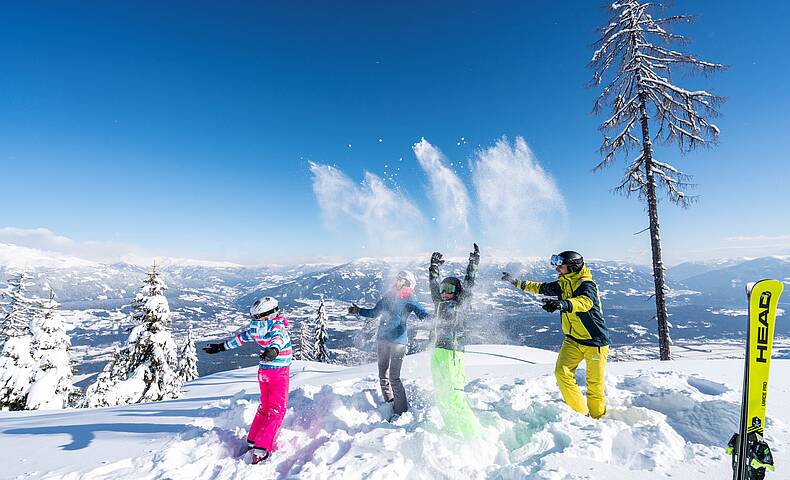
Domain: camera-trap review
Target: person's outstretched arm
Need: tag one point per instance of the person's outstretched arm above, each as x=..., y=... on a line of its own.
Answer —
x=372, y=312
x=247, y=335
x=355, y=309
x=543, y=288
x=416, y=308
x=471, y=270
x=433, y=276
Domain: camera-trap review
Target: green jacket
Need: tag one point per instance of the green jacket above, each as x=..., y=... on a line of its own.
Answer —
x=582, y=316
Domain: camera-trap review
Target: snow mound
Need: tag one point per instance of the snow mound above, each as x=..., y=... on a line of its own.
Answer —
x=663, y=420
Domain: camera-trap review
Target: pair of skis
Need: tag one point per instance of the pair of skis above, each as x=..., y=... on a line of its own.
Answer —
x=751, y=456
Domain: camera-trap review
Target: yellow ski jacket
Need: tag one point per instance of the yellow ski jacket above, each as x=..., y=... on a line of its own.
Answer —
x=582, y=313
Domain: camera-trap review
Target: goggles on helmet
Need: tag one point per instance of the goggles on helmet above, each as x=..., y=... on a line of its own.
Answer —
x=269, y=313
x=556, y=260
x=447, y=288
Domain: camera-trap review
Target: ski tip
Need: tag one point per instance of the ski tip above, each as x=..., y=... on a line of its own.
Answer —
x=771, y=284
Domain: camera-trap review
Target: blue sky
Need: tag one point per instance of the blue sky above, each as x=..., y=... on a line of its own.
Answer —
x=186, y=129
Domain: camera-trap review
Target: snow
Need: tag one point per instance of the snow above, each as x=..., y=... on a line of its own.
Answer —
x=665, y=419
x=14, y=256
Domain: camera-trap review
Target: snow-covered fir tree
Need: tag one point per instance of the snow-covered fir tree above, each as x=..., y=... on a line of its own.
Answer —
x=321, y=353
x=146, y=369
x=307, y=340
x=105, y=391
x=187, y=358
x=635, y=61
x=52, y=386
x=17, y=366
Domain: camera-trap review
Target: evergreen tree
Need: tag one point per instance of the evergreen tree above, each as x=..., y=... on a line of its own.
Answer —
x=320, y=337
x=187, y=361
x=104, y=392
x=307, y=340
x=146, y=369
x=635, y=58
x=52, y=386
x=17, y=366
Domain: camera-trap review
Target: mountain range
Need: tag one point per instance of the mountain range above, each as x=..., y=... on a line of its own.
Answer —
x=706, y=300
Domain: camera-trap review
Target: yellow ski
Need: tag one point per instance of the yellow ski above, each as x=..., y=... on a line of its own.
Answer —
x=751, y=455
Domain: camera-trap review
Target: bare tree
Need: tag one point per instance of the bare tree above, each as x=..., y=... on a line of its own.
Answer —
x=634, y=61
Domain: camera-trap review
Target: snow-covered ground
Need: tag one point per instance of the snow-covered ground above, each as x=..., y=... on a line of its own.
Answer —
x=665, y=420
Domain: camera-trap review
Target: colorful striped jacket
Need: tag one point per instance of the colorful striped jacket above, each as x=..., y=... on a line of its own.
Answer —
x=267, y=333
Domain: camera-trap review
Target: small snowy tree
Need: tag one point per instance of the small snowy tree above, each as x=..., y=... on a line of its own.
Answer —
x=320, y=336
x=635, y=61
x=307, y=340
x=52, y=386
x=104, y=392
x=146, y=369
x=17, y=366
x=187, y=358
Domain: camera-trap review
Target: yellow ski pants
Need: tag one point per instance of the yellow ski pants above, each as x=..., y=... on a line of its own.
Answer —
x=571, y=355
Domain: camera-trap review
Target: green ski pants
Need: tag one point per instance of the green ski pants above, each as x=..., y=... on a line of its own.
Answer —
x=449, y=379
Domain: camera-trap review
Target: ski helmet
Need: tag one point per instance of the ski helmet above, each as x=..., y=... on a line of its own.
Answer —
x=263, y=307
x=573, y=260
x=451, y=285
x=407, y=277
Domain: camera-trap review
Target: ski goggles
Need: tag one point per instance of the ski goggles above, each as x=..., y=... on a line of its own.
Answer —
x=263, y=315
x=556, y=260
x=447, y=288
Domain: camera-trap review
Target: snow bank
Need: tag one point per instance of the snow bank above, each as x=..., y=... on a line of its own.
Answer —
x=664, y=420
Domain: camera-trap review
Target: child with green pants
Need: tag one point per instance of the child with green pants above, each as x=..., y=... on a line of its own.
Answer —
x=451, y=297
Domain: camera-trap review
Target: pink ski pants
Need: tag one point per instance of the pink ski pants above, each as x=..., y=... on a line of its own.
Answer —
x=274, y=403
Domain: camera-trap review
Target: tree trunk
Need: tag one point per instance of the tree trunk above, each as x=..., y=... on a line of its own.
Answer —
x=655, y=240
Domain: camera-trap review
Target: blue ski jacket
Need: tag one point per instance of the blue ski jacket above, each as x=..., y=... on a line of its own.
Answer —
x=393, y=311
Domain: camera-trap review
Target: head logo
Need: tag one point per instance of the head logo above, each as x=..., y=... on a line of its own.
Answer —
x=762, y=329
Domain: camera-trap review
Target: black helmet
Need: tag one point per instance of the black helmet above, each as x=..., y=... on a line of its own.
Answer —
x=573, y=260
x=451, y=285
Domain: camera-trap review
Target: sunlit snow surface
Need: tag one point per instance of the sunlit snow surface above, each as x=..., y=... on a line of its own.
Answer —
x=664, y=420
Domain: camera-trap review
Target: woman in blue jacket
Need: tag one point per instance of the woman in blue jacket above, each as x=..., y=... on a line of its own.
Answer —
x=393, y=309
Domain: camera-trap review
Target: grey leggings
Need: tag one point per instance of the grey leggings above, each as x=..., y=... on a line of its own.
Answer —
x=390, y=360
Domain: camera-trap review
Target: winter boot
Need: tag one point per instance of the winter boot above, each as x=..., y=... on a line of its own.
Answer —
x=259, y=454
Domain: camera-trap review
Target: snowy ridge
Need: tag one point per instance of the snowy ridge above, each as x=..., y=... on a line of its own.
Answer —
x=16, y=257
x=665, y=420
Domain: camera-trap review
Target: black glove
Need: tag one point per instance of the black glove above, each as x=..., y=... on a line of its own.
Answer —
x=507, y=277
x=269, y=353
x=436, y=259
x=474, y=257
x=552, y=305
x=213, y=348
x=353, y=309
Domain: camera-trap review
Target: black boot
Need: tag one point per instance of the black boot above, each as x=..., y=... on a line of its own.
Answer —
x=259, y=454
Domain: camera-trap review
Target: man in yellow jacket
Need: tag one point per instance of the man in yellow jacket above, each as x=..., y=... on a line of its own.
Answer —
x=586, y=336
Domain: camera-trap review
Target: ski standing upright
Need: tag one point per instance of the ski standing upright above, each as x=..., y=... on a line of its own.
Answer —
x=751, y=456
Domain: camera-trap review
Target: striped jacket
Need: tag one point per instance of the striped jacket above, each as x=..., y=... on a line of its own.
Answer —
x=267, y=333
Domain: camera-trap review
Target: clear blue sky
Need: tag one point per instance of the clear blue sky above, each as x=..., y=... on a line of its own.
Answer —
x=185, y=128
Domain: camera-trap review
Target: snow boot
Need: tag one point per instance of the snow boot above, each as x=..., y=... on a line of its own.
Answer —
x=259, y=454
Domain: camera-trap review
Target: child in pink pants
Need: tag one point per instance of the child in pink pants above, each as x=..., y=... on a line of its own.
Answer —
x=267, y=329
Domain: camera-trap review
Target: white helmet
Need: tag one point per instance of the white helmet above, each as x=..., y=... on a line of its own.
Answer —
x=408, y=277
x=263, y=307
